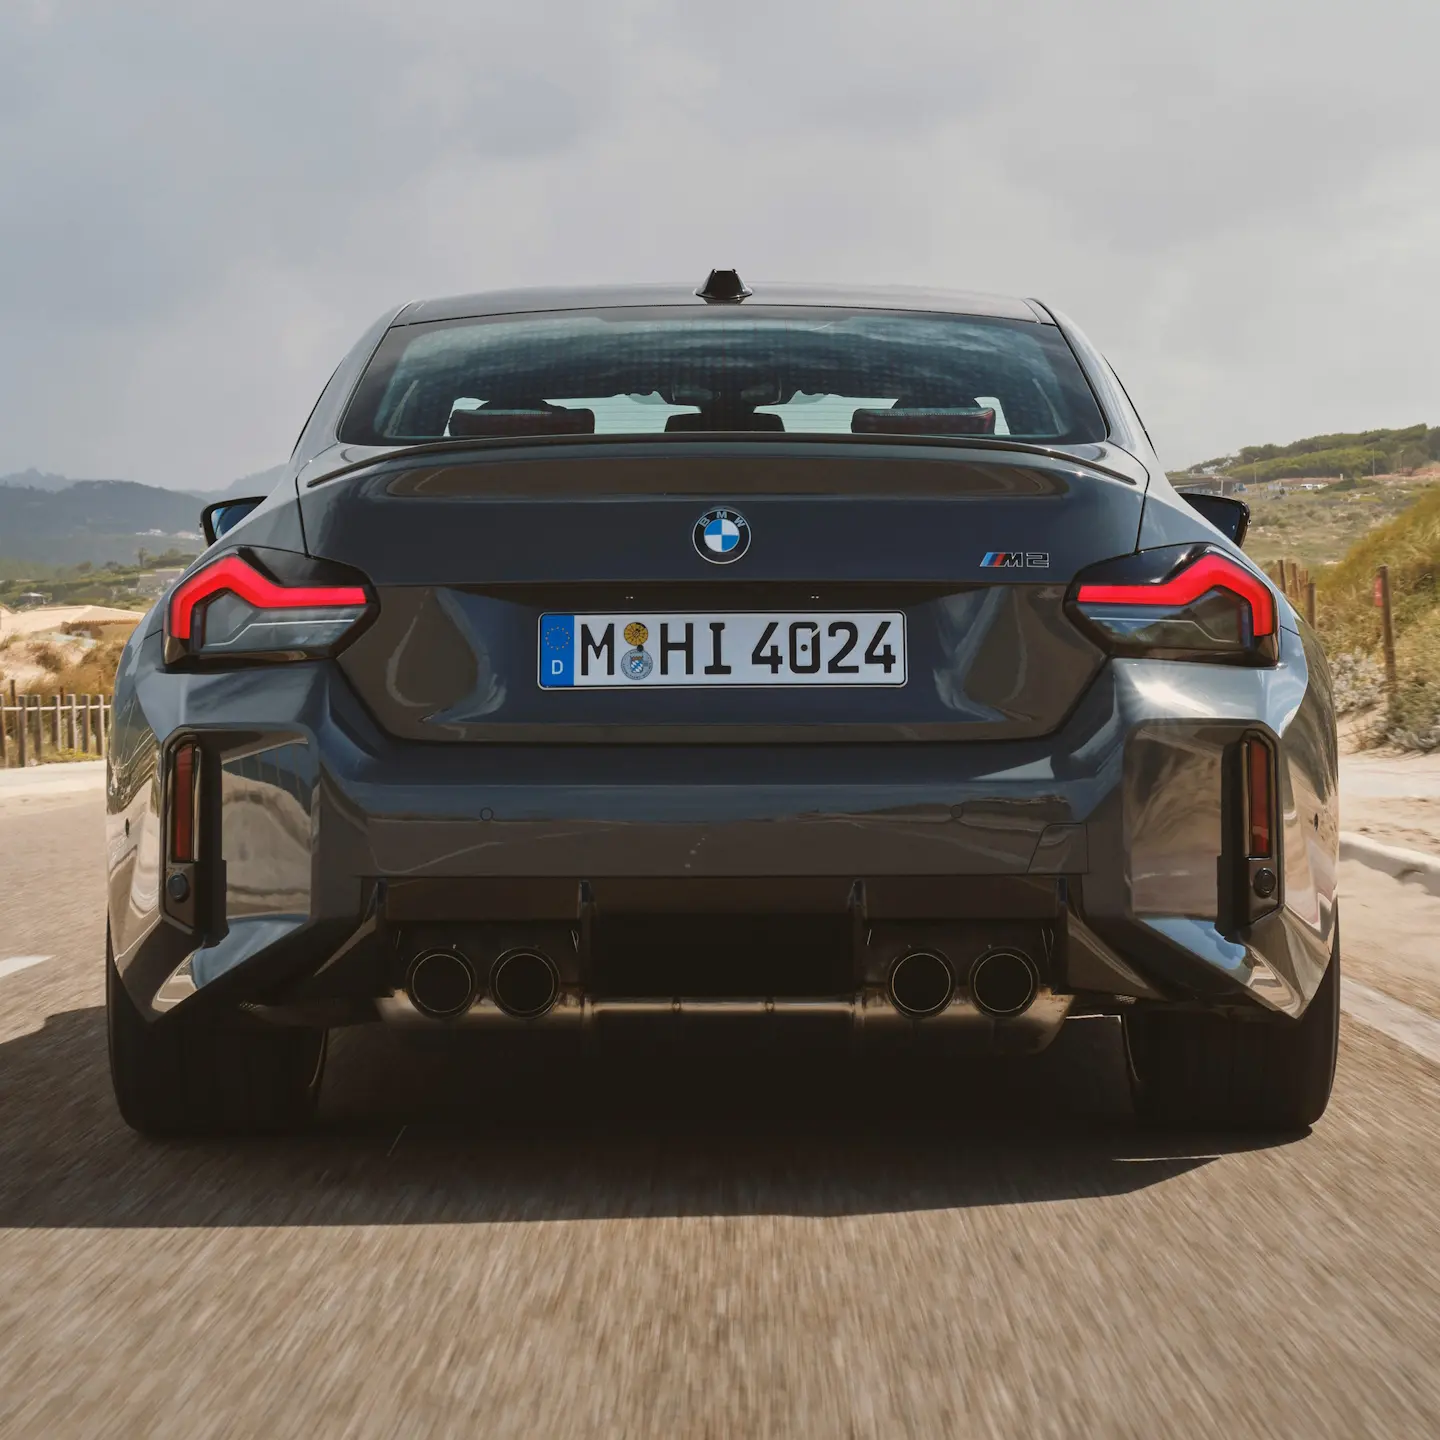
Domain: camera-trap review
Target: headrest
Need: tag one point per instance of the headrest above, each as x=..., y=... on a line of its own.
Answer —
x=931, y=420
x=702, y=421
x=551, y=421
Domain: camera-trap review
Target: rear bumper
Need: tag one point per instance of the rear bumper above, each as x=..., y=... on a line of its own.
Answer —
x=331, y=843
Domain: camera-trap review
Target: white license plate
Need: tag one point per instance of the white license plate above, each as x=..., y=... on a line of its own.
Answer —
x=761, y=648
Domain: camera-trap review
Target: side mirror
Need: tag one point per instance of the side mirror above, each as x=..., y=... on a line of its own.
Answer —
x=225, y=515
x=1229, y=516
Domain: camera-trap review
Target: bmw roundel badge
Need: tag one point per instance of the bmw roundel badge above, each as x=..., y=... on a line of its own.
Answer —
x=722, y=535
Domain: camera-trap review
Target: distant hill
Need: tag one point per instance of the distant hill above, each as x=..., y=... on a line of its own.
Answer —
x=54, y=520
x=260, y=483
x=37, y=480
x=95, y=520
x=1354, y=453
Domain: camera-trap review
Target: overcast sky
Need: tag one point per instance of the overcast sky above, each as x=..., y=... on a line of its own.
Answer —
x=202, y=205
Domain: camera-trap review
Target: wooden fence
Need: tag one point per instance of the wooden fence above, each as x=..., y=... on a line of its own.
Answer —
x=35, y=728
x=1297, y=584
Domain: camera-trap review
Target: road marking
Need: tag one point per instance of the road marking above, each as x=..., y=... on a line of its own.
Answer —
x=1394, y=1018
x=20, y=962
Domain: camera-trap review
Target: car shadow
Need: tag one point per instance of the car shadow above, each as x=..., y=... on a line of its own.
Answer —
x=468, y=1133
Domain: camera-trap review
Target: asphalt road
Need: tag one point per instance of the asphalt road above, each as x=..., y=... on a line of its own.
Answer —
x=700, y=1244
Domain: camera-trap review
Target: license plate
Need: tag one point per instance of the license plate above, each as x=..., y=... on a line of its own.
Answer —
x=755, y=649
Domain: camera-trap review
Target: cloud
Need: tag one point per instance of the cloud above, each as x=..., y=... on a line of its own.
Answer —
x=201, y=206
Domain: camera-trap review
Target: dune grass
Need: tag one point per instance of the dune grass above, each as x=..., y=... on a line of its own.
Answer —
x=1349, y=620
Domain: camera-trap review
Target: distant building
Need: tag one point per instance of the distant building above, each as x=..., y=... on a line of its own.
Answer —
x=156, y=582
x=1206, y=485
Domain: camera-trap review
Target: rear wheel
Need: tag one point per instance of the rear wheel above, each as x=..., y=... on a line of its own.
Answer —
x=217, y=1077
x=1212, y=1070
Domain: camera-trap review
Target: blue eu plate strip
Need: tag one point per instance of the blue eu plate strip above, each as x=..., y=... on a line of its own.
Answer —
x=557, y=650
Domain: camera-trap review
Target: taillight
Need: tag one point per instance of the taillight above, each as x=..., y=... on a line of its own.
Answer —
x=233, y=608
x=1184, y=602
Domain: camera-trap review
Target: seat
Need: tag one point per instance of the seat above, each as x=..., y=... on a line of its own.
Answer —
x=521, y=420
x=924, y=420
x=745, y=420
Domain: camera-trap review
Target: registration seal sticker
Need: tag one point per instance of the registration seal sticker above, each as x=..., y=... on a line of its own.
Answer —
x=636, y=633
x=637, y=664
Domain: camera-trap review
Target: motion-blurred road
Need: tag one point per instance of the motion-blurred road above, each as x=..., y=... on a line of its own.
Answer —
x=707, y=1243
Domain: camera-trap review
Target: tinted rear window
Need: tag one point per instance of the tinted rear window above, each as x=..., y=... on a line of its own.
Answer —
x=685, y=370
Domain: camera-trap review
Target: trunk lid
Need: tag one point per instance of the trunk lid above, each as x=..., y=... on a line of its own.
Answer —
x=973, y=549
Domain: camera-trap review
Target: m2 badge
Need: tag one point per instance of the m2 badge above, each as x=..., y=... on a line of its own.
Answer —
x=1016, y=560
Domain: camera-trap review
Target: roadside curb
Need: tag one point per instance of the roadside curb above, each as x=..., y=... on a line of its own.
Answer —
x=1412, y=865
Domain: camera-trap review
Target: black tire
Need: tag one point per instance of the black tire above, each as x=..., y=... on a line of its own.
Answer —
x=1211, y=1071
x=217, y=1078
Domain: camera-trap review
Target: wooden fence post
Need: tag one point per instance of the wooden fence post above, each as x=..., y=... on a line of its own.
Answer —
x=1387, y=628
x=39, y=711
x=85, y=726
x=4, y=738
x=100, y=734
x=22, y=727
x=74, y=725
x=1310, y=602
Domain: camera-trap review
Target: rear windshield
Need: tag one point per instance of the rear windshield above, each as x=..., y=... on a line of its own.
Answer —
x=795, y=370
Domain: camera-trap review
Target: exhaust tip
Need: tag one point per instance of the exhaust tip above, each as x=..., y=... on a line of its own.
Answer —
x=440, y=984
x=921, y=983
x=525, y=983
x=1004, y=983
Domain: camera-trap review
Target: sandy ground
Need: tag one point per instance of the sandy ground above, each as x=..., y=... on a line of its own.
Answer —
x=1391, y=936
x=1392, y=798
x=56, y=617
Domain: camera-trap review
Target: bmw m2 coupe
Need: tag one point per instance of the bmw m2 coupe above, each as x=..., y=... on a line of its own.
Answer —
x=644, y=654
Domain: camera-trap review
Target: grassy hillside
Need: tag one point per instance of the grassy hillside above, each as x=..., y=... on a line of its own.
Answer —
x=1351, y=453
x=1349, y=622
x=1318, y=528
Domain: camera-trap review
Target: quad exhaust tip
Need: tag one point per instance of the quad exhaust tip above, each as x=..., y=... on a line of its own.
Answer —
x=441, y=984
x=1004, y=983
x=921, y=983
x=525, y=984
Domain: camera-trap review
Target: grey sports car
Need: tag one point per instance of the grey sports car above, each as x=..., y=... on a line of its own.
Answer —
x=634, y=655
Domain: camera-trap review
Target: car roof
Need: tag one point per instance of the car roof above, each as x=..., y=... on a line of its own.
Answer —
x=595, y=297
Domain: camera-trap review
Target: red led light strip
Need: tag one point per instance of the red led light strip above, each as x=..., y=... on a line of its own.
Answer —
x=1210, y=572
x=234, y=575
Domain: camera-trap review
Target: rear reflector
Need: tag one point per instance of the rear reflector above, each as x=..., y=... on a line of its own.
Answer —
x=184, y=798
x=1259, y=798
